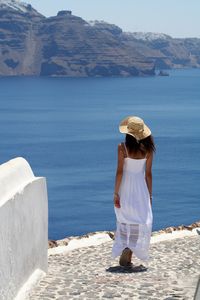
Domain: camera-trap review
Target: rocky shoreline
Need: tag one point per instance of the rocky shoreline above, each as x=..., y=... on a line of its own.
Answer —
x=65, y=241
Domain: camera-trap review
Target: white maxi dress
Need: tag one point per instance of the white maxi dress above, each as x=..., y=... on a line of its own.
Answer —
x=134, y=218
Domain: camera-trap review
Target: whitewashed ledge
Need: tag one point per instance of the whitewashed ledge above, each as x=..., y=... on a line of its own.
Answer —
x=23, y=229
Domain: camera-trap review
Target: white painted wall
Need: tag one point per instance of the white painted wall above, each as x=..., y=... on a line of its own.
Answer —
x=23, y=228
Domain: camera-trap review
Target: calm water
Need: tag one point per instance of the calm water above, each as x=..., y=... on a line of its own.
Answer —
x=68, y=131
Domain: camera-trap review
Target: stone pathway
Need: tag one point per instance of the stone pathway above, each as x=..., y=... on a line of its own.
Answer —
x=90, y=273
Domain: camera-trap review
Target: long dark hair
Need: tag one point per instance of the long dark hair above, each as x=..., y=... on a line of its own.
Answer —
x=145, y=145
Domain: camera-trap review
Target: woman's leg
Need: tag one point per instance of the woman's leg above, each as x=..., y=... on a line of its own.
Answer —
x=125, y=257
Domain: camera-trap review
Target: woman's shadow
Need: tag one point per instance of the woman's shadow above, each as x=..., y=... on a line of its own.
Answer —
x=129, y=269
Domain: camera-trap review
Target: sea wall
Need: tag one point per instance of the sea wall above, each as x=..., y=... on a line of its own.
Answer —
x=23, y=228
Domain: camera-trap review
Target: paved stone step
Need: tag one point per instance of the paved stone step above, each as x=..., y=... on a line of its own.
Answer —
x=91, y=273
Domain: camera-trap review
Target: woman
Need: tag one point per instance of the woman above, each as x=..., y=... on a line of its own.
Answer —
x=133, y=193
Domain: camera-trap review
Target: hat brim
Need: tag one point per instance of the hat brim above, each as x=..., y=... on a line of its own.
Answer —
x=123, y=129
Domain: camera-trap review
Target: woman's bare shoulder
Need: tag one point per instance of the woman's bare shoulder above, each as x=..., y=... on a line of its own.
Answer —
x=149, y=155
x=121, y=149
x=120, y=145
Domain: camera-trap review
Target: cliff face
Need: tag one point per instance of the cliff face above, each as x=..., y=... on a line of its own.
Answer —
x=165, y=51
x=19, y=41
x=66, y=45
x=73, y=47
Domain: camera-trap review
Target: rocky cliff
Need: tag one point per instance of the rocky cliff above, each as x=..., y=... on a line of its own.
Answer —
x=73, y=47
x=67, y=45
x=165, y=51
x=19, y=40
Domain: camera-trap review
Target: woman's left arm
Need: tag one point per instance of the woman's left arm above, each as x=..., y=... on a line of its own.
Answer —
x=148, y=174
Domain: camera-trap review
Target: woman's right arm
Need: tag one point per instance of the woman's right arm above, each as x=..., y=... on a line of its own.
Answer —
x=118, y=177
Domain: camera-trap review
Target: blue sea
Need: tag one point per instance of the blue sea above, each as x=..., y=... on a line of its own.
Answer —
x=67, y=129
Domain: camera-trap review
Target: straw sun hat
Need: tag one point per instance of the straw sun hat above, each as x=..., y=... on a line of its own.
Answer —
x=135, y=126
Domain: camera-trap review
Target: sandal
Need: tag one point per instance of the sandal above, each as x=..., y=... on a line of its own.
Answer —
x=139, y=268
x=128, y=266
